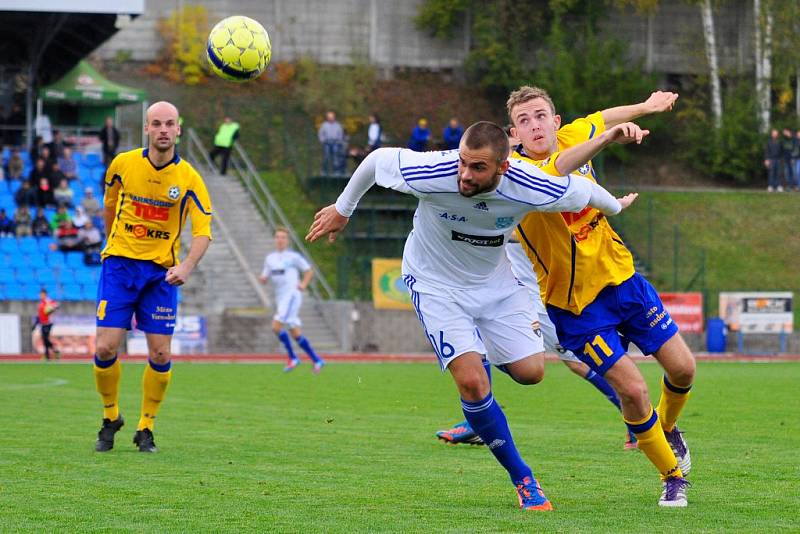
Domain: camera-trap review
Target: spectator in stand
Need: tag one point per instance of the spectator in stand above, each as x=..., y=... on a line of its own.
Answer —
x=68, y=165
x=772, y=161
x=60, y=218
x=40, y=227
x=227, y=134
x=787, y=145
x=58, y=145
x=109, y=137
x=56, y=175
x=36, y=148
x=90, y=204
x=22, y=222
x=420, y=136
x=49, y=160
x=44, y=128
x=37, y=172
x=451, y=136
x=15, y=166
x=67, y=239
x=25, y=195
x=16, y=119
x=80, y=219
x=6, y=224
x=63, y=194
x=44, y=194
x=90, y=239
x=796, y=160
x=331, y=135
x=374, y=133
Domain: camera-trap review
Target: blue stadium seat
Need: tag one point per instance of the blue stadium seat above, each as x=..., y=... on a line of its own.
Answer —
x=25, y=275
x=26, y=158
x=74, y=259
x=55, y=259
x=72, y=291
x=13, y=292
x=35, y=259
x=28, y=245
x=89, y=291
x=7, y=275
x=9, y=245
x=45, y=276
x=44, y=244
x=92, y=159
x=30, y=291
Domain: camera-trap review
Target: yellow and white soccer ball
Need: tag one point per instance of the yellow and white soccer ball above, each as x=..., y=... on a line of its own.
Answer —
x=238, y=49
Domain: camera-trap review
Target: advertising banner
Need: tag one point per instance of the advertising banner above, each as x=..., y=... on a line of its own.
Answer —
x=389, y=292
x=761, y=312
x=10, y=341
x=686, y=309
x=190, y=337
x=71, y=334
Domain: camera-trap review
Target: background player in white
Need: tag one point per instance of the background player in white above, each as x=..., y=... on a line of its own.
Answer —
x=455, y=266
x=283, y=267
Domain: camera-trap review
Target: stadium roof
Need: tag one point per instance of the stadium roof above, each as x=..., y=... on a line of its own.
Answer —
x=54, y=35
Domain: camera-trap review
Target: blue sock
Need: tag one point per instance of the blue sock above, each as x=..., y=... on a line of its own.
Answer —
x=306, y=346
x=283, y=335
x=604, y=387
x=104, y=364
x=488, y=420
x=488, y=368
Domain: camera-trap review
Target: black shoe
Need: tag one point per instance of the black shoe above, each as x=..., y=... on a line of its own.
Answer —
x=144, y=440
x=105, y=438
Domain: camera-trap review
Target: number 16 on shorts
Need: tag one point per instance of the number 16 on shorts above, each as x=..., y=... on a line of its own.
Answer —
x=442, y=348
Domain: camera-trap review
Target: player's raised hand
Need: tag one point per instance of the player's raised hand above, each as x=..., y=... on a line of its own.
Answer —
x=628, y=132
x=628, y=199
x=327, y=221
x=660, y=101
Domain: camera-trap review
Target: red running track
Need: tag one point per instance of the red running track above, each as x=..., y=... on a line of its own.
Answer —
x=363, y=357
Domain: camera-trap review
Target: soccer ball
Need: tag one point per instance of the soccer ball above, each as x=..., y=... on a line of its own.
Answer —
x=238, y=49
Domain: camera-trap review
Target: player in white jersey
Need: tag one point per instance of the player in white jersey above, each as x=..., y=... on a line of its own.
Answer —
x=283, y=267
x=455, y=266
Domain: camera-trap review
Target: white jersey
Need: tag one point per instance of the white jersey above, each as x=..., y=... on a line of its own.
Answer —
x=457, y=241
x=283, y=270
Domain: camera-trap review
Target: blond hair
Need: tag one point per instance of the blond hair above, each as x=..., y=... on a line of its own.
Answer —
x=526, y=93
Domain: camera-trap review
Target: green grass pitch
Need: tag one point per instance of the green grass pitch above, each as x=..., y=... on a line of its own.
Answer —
x=247, y=448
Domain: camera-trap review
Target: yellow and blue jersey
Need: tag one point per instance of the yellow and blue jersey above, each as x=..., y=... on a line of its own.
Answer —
x=151, y=205
x=575, y=255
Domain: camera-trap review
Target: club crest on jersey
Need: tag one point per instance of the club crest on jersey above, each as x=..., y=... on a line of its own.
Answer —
x=174, y=192
x=503, y=222
x=584, y=169
x=537, y=328
x=481, y=206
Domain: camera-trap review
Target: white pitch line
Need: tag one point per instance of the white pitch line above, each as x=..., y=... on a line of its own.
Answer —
x=50, y=383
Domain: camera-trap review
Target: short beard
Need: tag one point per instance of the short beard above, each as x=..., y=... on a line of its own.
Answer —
x=489, y=187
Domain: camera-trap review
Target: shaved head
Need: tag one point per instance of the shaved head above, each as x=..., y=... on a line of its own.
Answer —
x=162, y=128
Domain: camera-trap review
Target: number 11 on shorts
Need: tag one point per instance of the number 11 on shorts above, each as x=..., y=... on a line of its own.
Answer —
x=597, y=343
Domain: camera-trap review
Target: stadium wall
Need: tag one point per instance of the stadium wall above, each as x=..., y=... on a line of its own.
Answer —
x=383, y=33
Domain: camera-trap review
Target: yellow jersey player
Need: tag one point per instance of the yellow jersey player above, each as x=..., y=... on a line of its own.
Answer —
x=595, y=298
x=149, y=194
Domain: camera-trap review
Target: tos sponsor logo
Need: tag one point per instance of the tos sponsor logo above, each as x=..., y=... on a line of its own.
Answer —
x=140, y=231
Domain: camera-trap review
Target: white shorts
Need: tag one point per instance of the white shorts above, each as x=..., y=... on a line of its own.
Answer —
x=497, y=321
x=288, y=311
x=521, y=266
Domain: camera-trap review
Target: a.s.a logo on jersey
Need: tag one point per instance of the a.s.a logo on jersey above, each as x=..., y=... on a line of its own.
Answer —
x=174, y=192
x=584, y=169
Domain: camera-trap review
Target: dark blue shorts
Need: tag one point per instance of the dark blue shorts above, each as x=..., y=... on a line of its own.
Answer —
x=129, y=287
x=599, y=336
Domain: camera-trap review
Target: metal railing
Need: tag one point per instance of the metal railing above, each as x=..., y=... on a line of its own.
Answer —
x=267, y=206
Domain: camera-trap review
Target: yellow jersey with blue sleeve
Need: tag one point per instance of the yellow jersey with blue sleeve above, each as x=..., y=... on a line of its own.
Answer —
x=151, y=206
x=575, y=255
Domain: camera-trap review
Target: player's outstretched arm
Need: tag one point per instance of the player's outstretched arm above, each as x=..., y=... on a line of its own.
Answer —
x=659, y=102
x=572, y=158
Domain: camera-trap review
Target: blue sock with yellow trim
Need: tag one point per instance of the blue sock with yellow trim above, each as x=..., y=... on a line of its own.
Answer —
x=283, y=336
x=653, y=444
x=604, y=387
x=673, y=399
x=306, y=346
x=488, y=420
